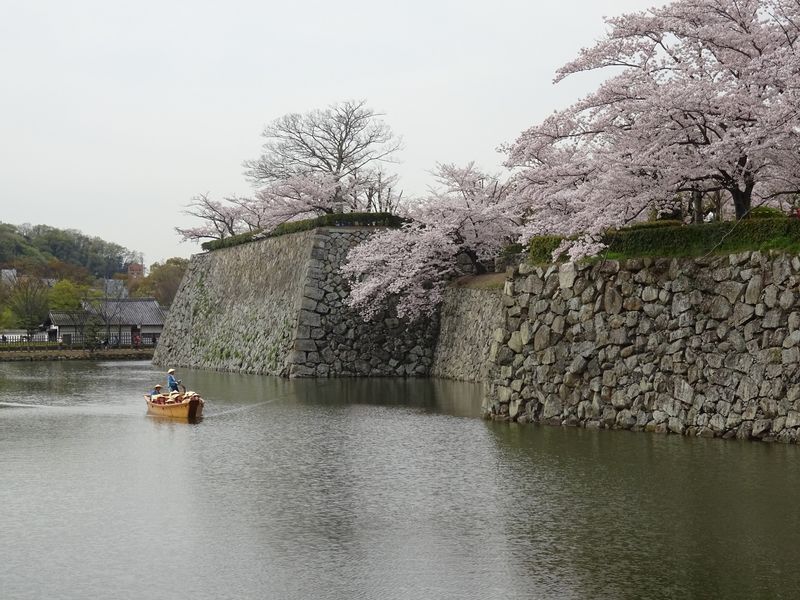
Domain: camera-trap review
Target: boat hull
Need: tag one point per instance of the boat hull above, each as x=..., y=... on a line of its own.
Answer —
x=189, y=409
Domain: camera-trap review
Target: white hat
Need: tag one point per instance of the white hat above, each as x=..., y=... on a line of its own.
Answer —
x=156, y=386
x=171, y=371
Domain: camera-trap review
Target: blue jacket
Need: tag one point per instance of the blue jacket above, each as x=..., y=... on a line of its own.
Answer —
x=172, y=383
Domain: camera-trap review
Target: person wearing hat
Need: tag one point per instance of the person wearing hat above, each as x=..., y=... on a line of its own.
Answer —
x=172, y=383
x=156, y=390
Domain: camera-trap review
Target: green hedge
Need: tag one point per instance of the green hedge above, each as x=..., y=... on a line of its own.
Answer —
x=689, y=240
x=331, y=220
x=767, y=212
x=542, y=247
x=233, y=240
x=656, y=224
x=512, y=249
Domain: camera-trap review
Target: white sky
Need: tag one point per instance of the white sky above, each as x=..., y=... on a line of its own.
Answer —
x=113, y=115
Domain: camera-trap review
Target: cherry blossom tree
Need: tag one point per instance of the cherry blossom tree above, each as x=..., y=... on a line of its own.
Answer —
x=219, y=219
x=320, y=162
x=469, y=215
x=706, y=100
x=345, y=143
x=298, y=197
x=304, y=196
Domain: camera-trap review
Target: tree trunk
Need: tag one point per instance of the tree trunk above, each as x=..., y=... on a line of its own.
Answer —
x=338, y=200
x=697, y=206
x=741, y=201
x=742, y=198
x=717, y=198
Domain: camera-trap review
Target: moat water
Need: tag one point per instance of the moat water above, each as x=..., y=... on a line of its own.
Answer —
x=371, y=489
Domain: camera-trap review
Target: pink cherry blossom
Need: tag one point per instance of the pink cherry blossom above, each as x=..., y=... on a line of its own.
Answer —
x=469, y=214
x=705, y=98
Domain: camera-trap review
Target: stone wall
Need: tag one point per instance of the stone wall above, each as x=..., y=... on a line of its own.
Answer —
x=333, y=340
x=276, y=306
x=468, y=318
x=236, y=308
x=707, y=347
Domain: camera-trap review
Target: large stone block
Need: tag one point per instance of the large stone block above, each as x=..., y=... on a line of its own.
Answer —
x=552, y=407
x=731, y=290
x=541, y=338
x=753, y=291
x=309, y=318
x=566, y=275
x=305, y=345
x=612, y=300
x=308, y=304
x=313, y=292
x=720, y=308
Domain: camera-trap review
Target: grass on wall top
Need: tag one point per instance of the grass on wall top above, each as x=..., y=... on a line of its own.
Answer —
x=332, y=220
x=669, y=239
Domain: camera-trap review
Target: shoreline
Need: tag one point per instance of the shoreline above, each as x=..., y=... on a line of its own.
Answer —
x=56, y=355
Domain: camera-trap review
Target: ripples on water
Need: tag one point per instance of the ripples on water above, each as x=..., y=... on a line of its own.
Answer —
x=373, y=489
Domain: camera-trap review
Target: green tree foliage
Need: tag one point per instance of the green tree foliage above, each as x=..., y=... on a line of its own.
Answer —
x=58, y=269
x=66, y=295
x=28, y=302
x=163, y=280
x=44, y=251
x=7, y=318
x=92, y=333
x=13, y=246
x=52, y=268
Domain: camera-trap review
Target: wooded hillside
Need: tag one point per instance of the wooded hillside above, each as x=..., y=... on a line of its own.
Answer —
x=51, y=252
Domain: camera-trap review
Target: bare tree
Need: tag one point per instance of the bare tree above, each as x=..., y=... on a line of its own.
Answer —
x=106, y=308
x=346, y=141
x=320, y=162
x=381, y=193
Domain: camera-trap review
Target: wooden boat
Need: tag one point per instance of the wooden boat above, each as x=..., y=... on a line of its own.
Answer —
x=183, y=405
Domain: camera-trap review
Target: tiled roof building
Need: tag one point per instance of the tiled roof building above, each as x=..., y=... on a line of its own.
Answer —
x=121, y=320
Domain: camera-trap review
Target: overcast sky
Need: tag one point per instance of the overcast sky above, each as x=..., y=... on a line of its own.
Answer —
x=113, y=115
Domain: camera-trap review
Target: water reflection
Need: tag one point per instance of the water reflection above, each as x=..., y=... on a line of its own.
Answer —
x=383, y=489
x=632, y=516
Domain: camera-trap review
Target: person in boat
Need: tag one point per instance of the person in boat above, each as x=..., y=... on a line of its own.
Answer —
x=156, y=390
x=172, y=383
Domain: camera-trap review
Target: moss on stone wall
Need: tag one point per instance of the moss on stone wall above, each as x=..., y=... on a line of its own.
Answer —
x=278, y=306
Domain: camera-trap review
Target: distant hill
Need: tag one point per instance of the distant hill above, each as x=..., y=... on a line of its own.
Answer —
x=48, y=251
